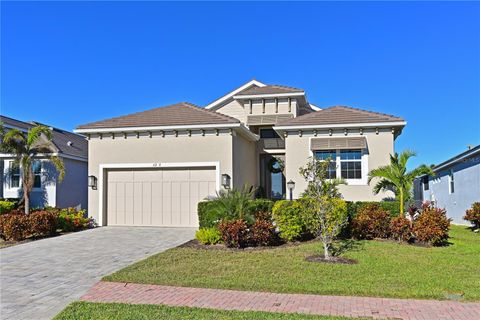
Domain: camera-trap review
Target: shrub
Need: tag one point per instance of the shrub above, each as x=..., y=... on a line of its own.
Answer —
x=354, y=207
x=289, y=217
x=210, y=213
x=261, y=209
x=262, y=233
x=42, y=223
x=432, y=225
x=69, y=219
x=14, y=227
x=371, y=222
x=234, y=233
x=6, y=206
x=401, y=229
x=208, y=236
x=473, y=215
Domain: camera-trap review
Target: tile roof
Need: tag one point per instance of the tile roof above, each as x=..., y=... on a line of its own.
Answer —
x=60, y=138
x=182, y=113
x=268, y=89
x=340, y=115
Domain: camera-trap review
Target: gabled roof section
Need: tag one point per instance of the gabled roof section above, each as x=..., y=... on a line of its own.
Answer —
x=67, y=143
x=250, y=84
x=268, y=89
x=338, y=115
x=179, y=114
x=458, y=158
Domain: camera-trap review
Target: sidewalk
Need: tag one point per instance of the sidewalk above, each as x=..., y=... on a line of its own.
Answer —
x=378, y=308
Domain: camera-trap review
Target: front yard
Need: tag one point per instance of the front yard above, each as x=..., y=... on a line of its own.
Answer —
x=85, y=310
x=384, y=269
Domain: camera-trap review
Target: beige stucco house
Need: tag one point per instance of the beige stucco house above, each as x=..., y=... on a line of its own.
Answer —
x=152, y=168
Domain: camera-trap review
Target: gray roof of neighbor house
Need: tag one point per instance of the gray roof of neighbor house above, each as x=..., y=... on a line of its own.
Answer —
x=459, y=157
x=182, y=113
x=268, y=89
x=339, y=115
x=78, y=146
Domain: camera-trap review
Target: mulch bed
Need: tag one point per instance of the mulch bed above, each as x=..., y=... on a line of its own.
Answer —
x=195, y=244
x=321, y=259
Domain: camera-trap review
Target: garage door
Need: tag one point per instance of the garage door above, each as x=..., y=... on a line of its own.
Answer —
x=162, y=197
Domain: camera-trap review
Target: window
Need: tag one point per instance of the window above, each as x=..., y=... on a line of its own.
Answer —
x=332, y=156
x=425, y=181
x=351, y=164
x=451, y=181
x=14, y=175
x=268, y=134
x=37, y=173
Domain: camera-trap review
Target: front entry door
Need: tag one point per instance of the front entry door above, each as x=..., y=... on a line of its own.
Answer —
x=272, y=178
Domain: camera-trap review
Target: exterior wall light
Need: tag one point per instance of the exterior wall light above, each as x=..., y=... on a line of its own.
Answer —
x=226, y=181
x=92, y=182
x=291, y=186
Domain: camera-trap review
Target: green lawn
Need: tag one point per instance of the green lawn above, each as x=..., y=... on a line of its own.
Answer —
x=384, y=269
x=101, y=311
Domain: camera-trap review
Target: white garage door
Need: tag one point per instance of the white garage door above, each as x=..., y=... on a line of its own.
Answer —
x=163, y=197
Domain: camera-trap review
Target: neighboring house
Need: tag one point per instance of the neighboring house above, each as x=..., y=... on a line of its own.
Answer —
x=71, y=192
x=153, y=167
x=455, y=186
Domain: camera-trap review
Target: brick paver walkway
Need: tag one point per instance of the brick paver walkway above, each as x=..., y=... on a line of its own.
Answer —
x=378, y=308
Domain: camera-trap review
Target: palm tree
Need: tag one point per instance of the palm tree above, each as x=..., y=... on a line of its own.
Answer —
x=395, y=177
x=26, y=148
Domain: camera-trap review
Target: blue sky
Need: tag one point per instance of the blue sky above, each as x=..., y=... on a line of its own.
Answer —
x=68, y=63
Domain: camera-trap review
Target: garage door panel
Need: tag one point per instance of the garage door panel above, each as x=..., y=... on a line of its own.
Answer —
x=160, y=197
x=157, y=203
x=147, y=203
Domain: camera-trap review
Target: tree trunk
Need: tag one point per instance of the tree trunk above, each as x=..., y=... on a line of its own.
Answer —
x=326, y=251
x=26, y=196
x=401, y=203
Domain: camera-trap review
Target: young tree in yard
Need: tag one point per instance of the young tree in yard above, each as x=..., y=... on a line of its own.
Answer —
x=27, y=148
x=326, y=212
x=395, y=177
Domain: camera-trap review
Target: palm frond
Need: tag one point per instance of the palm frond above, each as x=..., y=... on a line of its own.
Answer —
x=35, y=133
x=60, y=166
x=384, y=185
x=404, y=156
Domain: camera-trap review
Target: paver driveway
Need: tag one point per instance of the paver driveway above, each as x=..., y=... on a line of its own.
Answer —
x=38, y=279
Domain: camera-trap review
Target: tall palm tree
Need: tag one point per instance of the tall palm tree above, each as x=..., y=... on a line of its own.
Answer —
x=27, y=147
x=395, y=177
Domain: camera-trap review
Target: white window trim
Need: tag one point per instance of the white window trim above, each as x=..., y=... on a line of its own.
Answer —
x=153, y=165
x=8, y=182
x=41, y=177
x=451, y=179
x=352, y=182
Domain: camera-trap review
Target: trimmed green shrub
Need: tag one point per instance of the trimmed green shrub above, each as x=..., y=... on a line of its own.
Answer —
x=208, y=215
x=353, y=207
x=432, y=225
x=208, y=236
x=289, y=217
x=371, y=222
x=235, y=234
x=7, y=206
x=473, y=215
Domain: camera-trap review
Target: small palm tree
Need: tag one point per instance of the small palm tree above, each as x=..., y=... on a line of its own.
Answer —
x=26, y=148
x=395, y=177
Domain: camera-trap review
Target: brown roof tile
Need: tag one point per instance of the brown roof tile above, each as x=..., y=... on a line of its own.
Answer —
x=182, y=113
x=269, y=89
x=339, y=115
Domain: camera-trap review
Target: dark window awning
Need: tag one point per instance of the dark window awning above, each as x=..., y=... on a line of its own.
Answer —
x=338, y=143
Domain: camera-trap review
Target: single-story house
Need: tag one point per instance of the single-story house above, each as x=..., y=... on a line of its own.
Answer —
x=455, y=186
x=47, y=191
x=151, y=168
